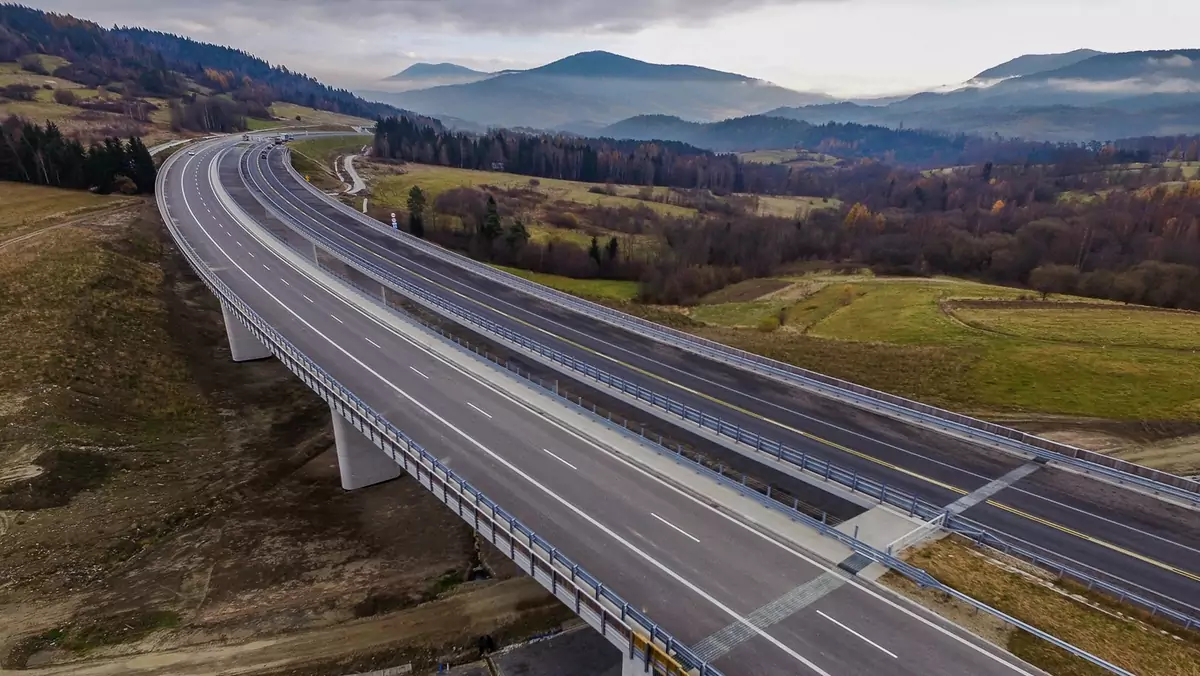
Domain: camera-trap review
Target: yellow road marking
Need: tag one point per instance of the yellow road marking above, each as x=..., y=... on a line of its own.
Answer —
x=809, y=435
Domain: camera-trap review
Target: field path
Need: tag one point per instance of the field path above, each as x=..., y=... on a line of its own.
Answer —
x=72, y=221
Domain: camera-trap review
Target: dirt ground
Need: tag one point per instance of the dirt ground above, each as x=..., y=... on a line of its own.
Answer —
x=164, y=510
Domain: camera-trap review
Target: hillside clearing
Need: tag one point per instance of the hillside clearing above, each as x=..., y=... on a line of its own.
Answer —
x=393, y=188
x=594, y=289
x=288, y=113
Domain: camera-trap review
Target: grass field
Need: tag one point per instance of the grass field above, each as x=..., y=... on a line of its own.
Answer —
x=789, y=206
x=393, y=189
x=1136, y=645
x=1088, y=324
x=769, y=156
x=11, y=73
x=288, y=112
x=595, y=289
x=29, y=207
x=787, y=156
x=922, y=338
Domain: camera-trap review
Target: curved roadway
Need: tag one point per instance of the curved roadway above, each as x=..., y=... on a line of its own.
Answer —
x=695, y=571
x=1142, y=541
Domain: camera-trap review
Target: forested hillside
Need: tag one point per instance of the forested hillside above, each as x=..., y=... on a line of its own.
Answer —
x=1094, y=220
x=228, y=84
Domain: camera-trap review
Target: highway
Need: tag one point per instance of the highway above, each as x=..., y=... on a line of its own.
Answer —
x=1148, y=543
x=695, y=571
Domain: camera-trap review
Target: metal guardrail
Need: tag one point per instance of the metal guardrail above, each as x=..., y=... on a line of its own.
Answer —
x=743, y=483
x=816, y=467
x=863, y=397
x=917, y=575
x=603, y=609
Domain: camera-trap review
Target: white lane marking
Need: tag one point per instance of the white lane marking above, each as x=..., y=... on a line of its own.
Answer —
x=931, y=623
x=265, y=267
x=489, y=415
x=306, y=297
x=555, y=456
x=373, y=343
x=772, y=404
x=419, y=373
x=520, y=473
x=239, y=243
x=336, y=319
x=684, y=532
x=251, y=254
x=285, y=281
x=881, y=648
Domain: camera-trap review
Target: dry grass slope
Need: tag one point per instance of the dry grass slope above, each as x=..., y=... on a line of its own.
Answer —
x=1132, y=644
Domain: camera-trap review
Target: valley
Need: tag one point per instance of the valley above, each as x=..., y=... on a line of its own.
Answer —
x=1021, y=245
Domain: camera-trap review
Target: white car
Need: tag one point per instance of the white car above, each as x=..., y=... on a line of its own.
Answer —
x=191, y=152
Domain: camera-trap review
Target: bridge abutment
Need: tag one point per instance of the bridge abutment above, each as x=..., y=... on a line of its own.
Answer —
x=360, y=462
x=243, y=346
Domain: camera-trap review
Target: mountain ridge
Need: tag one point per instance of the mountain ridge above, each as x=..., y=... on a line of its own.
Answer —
x=586, y=91
x=422, y=70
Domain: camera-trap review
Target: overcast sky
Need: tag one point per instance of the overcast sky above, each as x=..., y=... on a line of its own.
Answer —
x=844, y=47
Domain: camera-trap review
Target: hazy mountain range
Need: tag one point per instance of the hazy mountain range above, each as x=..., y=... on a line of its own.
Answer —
x=1076, y=96
x=590, y=90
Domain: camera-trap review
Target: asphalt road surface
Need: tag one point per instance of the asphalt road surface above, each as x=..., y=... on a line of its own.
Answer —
x=1145, y=543
x=694, y=571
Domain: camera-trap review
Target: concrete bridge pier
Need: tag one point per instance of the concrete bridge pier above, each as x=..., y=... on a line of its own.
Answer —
x=242, y=344
x=360, y=462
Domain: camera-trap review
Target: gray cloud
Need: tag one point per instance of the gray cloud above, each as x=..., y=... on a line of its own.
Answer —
x=467, y=16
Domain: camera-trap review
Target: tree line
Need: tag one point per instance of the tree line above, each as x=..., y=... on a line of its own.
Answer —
x=680, y=165
x=1127, y=233
x=42, y=155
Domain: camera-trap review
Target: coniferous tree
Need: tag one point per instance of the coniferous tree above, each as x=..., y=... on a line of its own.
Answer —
x=416, y=212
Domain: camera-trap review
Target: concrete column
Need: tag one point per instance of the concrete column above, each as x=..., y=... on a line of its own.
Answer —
x=360, y=462
x=242, y=344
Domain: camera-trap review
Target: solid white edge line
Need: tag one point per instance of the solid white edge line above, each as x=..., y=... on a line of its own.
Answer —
x=489, y=415
x=693, y=537
x=556, y=457
x=881, y=648
x=522, y=474
x=418, y=372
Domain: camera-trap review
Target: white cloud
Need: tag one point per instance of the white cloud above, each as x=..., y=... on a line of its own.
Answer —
x=1173, y=61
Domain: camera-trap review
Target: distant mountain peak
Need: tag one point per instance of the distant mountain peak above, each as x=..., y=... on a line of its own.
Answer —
x=429, y=71
x=1030, y=64
x=601, y=64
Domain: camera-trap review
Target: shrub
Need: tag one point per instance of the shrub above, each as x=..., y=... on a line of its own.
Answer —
x=31, y=63
x=65, y=97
